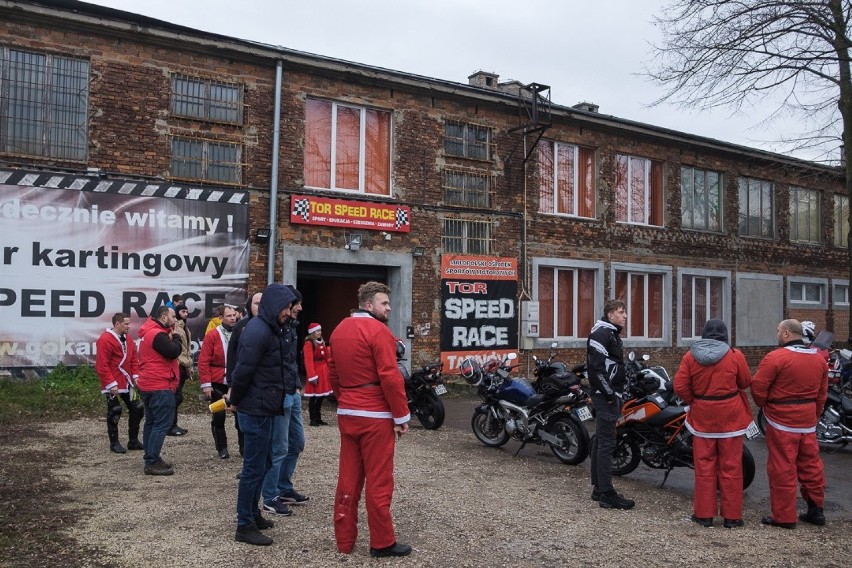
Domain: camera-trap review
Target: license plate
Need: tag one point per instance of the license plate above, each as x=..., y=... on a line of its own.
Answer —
x=583, y=413
x=440, y=389
x=752, y=431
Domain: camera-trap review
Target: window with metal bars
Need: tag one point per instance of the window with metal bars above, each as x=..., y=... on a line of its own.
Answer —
x=466, y=188
x=465, y=140
x=43, y=105
x=206, y=160
x=206, y=100
x=466, y=237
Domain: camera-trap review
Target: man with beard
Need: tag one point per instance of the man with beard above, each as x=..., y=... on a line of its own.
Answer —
x=212, y=362
x=116, y=366
x=185, y=361
x=159, y=374
x=372, y=411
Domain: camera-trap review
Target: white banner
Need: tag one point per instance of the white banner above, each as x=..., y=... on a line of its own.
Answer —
x=70, y=259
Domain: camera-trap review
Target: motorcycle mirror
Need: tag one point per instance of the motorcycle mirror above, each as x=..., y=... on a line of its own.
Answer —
x=631, y=356
x=553, y=345
x=512, y=356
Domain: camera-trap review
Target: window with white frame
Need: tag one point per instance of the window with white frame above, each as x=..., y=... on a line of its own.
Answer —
x=702, y=298
x=465, y=140
x=841, y=221
x=472, y=189
x=206, y=100
x=807, y=293
x=638, y=190
x=841, y=294
x=44, y=101
x=347, y=147
x=757, y=208
x=700, y=199
x=567, y=179
x=206, y=160
x=466, y=237
x=566, y=299
x=646, y=295
x=805, y=216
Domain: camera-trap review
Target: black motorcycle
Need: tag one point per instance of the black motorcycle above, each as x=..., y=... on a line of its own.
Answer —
x=423, y=388
x=512, y=409
x=556, y=375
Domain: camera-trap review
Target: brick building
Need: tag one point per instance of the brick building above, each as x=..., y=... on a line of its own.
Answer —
x=589, y=206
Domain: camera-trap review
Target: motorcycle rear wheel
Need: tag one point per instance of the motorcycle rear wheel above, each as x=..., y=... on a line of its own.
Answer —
x=761, y=422
x=748, y=467
x=626, y=456
x=574, y=437
x=488, y=429
x=429, y=410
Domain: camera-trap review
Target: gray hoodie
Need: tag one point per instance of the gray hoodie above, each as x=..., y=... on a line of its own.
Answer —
x=708, y=351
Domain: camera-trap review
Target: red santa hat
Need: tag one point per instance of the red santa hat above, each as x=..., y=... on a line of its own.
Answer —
x=314, y=327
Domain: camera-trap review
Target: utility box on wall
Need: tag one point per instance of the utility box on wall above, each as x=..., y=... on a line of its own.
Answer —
x=529, y=323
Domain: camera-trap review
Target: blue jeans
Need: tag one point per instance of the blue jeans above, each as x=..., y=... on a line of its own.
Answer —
x=280, y=436
x=159, y=411
x=257, y=435
x=295, y=442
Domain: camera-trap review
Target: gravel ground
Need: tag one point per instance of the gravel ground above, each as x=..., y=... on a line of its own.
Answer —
x=457, y=503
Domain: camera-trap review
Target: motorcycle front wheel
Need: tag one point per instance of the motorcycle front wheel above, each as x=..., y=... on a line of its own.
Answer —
x=489, y=429
x=626, y=456
x=429, y=409
x=574, y=438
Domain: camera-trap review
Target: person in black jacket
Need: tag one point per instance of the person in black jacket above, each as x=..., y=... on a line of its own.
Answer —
x=605, y=365
x=257, y=392
x=252, y=305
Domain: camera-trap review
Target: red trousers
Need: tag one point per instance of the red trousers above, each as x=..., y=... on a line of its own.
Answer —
x=366, y=454
x=718, y=465
x=793, y=457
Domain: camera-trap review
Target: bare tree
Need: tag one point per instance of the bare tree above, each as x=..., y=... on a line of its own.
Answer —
x=739, y=53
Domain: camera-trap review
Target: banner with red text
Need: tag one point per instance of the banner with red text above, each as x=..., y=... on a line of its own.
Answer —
x=71, y=258
x=312, y=210
x=478, y=308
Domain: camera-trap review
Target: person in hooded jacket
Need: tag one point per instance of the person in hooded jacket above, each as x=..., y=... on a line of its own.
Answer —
x=712, y=379
x=252, y=305
x=257, y=393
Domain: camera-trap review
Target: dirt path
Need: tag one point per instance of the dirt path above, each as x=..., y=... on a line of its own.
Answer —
x=457, y=503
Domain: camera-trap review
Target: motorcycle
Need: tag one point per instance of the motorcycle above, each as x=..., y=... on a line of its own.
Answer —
x=549, y=373
x=423, y=388
x=834, y=427
x=512, y=409
x=652, y=427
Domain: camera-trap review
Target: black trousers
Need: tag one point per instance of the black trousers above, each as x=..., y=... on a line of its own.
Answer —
x=603, y=446
x=135, y=409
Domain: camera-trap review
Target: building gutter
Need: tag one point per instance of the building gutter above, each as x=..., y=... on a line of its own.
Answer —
x=273, y=184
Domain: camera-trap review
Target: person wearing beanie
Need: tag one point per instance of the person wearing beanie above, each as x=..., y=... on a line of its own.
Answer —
x=185, y=361
x=212, y=362
x=316, y=353
x=712, y=379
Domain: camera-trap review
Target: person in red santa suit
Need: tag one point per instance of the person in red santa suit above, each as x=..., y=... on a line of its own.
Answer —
x=712, y=379
x=791, y=386
x=372, y=412
x=212, y=362
x=316, y=353
x=116, y=367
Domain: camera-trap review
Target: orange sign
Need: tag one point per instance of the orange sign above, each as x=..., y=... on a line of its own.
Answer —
x=312, y=210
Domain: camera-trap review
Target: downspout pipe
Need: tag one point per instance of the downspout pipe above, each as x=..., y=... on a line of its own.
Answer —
x=273, y=186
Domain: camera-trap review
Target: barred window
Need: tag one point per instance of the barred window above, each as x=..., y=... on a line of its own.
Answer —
x=206, y=160
x=467, y=140
x=43, y=105
x=467, y=237
x=466, y=188
x=206, y=100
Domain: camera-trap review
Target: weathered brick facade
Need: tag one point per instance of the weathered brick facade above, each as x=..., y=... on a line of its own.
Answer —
x=133, y=58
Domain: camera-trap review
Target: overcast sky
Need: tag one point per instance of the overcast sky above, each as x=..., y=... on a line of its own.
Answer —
x=585, y=51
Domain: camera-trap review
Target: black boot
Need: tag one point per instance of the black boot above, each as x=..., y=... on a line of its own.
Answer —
x=221, y=441
x=112, y=428
x=319, y=411
x=814, y=516
x=313, y=412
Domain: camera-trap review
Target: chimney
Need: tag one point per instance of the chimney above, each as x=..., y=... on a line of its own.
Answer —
x=483, y=79
x=586, y=106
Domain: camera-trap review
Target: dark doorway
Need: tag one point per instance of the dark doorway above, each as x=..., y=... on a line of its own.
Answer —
x=330, y=291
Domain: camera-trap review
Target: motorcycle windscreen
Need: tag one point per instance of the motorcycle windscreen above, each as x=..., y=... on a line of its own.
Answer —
x=823, y=340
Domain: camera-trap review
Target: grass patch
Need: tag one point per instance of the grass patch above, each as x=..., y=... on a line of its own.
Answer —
x=66, y=393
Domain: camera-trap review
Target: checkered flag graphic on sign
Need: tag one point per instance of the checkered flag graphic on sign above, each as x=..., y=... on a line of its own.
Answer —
x=302, y=208
x=401, y=218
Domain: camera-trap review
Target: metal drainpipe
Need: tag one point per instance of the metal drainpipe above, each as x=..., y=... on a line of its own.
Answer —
x=273, y=187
